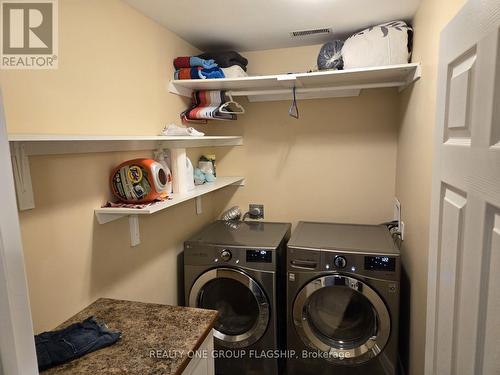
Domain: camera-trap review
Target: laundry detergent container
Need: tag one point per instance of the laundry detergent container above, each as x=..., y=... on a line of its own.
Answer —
x=140, y=181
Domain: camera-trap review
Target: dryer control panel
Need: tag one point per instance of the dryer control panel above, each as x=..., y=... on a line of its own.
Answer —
x=384, y=266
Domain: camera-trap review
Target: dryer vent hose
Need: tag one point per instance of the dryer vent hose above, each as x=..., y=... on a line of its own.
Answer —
x=234, y=213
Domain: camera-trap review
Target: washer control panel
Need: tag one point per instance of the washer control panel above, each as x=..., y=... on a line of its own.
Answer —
x=259, y=256
x=226, y=255
x=380, y=263
x=254, y=258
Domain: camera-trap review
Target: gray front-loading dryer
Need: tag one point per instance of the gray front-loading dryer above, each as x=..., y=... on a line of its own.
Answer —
x=343, y=300
x=235, y=268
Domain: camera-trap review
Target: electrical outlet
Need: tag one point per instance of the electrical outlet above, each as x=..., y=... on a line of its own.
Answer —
x=397, y=212
x=256, y=211
x=397, y=217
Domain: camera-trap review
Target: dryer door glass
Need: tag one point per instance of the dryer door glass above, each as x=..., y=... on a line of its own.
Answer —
x=237, y=306
x=341, y=316
x=242, y=304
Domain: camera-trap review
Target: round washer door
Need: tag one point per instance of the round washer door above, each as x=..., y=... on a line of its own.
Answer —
x=242, y=305
x=343, y=318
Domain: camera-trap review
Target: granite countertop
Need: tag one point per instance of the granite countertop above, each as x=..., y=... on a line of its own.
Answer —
x=145, y=327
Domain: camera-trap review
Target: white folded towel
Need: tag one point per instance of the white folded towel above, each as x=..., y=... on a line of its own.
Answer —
x=234, y=71
x=174, y=130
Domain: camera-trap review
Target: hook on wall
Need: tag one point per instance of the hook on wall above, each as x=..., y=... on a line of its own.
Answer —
x=293, y=111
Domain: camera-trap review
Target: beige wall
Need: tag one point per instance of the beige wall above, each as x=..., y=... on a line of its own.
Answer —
x=113, y=70
x=111, y=80
x=114, y=67
x=414, y=167
x=283, y=60
x=337, y=163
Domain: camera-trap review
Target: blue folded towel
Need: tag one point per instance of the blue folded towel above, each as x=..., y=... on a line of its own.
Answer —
x=211, y=73
x=198, y=72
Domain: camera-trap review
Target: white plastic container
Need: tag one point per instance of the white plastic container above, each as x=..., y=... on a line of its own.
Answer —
x=162, y=157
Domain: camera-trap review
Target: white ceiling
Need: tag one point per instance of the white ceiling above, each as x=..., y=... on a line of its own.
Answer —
x=247, y=25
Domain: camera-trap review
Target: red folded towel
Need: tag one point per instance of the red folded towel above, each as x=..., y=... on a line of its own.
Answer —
x=182, y=62
x=188, y=73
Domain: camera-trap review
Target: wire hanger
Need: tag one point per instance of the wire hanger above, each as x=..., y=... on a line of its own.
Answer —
x=293, y=111
x=239, y=108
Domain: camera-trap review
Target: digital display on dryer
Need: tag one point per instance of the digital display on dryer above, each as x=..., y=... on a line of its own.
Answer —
x=259, y=256
x=380, y=263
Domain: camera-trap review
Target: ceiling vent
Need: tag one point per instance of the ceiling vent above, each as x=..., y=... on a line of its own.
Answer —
x=312, y=32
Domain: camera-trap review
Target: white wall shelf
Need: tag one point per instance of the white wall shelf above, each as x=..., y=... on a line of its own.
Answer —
x=25, y=145
x=107, y=214
x=41, y=144
x=324, y=84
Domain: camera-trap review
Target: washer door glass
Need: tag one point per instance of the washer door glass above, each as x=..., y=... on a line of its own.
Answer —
x=241, y=302
x=237, y=306
x=341, y=316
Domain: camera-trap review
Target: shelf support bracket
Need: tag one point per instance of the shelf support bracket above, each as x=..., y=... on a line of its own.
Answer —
x=107, y=218
x=178, y=158
x=22, y=176
x=135, y=234
x=179, y=90
x=199, y=206
x=417, y=74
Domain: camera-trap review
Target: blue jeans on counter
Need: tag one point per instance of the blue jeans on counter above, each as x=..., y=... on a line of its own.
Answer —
x=58, y=347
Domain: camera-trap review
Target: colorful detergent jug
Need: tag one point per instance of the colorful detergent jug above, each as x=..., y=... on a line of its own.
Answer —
x=140, y=181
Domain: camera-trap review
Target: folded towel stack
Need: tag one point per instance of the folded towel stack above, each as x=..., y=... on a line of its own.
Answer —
x=191, y=61
x=205, y=106
x=209, y=65
x=192, y=67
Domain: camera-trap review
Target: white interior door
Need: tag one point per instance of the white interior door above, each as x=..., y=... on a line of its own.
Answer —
x=463, y=315
x=17, y=347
